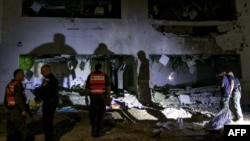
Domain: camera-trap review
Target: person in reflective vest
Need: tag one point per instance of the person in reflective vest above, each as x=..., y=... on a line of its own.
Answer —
x=97, y=83
x=98, y=89
x=15, y=102
x=9, y=94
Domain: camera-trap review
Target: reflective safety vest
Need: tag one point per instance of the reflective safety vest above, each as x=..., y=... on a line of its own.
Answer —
x=97, y=83
x=10, y=95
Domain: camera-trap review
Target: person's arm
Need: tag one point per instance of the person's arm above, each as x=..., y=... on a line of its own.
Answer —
x=231, y=82
x=86, y=91
x=108, y=89
x=19, y=98
x=222, y=85
x=238, y=84
x=38, y=94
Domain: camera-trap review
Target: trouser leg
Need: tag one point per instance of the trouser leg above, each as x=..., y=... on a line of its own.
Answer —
x=16, y=126
x=238, y=110
x=232, y=106
x=48, y=122
x=92, y=116
x=225, y=102
x=101, y=113
x=96, y=112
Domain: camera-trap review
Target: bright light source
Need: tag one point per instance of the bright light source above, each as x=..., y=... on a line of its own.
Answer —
x=171, y=76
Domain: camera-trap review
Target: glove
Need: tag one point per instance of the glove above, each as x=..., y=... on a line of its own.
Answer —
x=87, y=101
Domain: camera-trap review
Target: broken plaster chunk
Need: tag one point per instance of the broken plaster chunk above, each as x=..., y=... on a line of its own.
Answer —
x=164, y=60
x=159, y=97
x=184, y=99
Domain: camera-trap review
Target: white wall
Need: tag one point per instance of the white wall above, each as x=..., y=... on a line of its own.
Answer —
x=131, y=33
x=1, y=18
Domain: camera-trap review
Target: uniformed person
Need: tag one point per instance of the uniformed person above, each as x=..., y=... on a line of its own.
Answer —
x=98, y=89
x=15, y=101
x=235, y=98
x=48, y=93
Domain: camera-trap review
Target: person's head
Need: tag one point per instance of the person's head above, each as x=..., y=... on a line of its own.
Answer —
x=141, y=55
x=18, y=75
x=98, y=67
x=230, y=73
x=45, y=70
x=220, y=73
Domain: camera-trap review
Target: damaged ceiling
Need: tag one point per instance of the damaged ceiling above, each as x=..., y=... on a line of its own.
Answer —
x=72, y=8
x=192, y=10
x=193, y=18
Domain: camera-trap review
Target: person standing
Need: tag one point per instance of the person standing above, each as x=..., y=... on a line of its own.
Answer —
x=224, y=116
x=15, y=102
x=235, y=98
x=48, y=93
x=98, y=89
x=225, y=87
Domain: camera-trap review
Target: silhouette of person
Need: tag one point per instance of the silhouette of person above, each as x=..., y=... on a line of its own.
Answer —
x=57, y=47
x=102, y=49
x=144, y=93
x=102, y=53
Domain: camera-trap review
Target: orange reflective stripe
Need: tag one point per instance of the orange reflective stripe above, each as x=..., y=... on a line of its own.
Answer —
x=97, y=77
x=11, y=101
x=97, y=83
x=97, y=89
x=8, y=91
x=10, y=97
x=10, y=88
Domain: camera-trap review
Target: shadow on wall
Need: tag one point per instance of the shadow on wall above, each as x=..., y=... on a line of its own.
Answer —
x=104, y=56
x=102, y=49
x=62, y=69
x=56, y=47
x=144, y=93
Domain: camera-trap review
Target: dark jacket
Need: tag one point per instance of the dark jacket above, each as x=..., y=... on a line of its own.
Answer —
x=49, y=90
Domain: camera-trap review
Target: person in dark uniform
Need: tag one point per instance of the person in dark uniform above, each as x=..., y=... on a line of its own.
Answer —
x=15, y=102
x=235, y=98
x=98, y=89
x=48, y=93
x=224, y=84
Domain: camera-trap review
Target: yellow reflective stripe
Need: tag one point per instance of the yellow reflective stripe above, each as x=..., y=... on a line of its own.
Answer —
x=96, y=77
x=97, y=90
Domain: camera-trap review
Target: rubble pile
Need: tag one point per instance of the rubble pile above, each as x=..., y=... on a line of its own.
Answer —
x=175, y=103
x=202, y=98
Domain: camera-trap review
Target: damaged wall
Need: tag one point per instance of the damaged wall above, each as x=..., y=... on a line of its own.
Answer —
x=133, y=32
